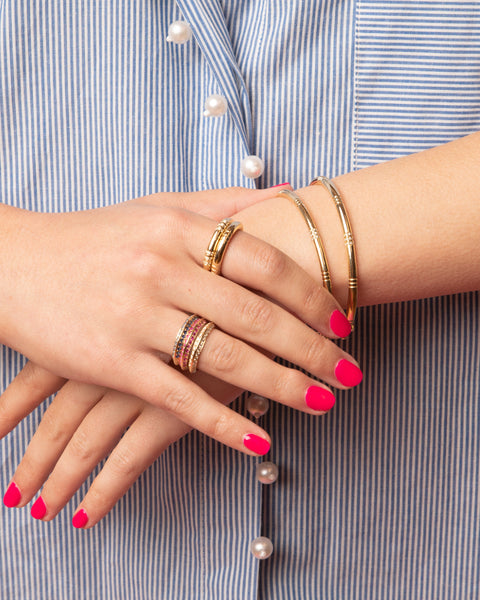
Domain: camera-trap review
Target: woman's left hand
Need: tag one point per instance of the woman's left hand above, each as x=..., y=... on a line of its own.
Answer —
x=84, y=424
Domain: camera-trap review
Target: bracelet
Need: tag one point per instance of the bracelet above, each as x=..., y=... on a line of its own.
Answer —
x=322, y=259
x=349, y=243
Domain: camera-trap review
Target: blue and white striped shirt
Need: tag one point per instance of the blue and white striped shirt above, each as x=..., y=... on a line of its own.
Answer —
x=378, y=500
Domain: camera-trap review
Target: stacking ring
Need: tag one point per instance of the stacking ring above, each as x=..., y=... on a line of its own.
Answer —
x=219, y=241
x=190, y=341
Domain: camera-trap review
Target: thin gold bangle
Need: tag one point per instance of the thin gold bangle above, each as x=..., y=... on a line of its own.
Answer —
x=210, y=251
x=225, y=238
x=322, y=259
x=349, y=243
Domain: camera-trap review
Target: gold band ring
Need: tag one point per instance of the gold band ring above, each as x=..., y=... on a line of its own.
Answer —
x=189, y=343
x=210, y=251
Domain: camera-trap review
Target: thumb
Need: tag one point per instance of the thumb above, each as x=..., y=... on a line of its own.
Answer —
x=218, y=204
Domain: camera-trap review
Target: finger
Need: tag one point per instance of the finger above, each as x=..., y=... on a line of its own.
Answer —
x=31, y=387
x=96, y=436
x=216, y=204
x=58, y=424
x=152, y=432
x=254, y=264
x=163, y=386
x=227, y=358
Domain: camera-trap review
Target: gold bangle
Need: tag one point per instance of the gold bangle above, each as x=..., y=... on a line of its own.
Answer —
x=210, y=251
x=222, y=244
x=198, y=346
x=349, y=243
x=322, y=259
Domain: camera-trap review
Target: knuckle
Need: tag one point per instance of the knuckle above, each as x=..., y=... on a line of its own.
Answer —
x=271, y=262
x=53, y=428
x=178, y=401
x=223, y=356
x=123, y=463
x=221, y=426
x=257, y=314
x=81, y=447
x=312, y=299
x=314, y=352
x=286, y=385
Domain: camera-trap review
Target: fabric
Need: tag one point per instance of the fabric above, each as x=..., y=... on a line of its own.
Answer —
x=377, y=500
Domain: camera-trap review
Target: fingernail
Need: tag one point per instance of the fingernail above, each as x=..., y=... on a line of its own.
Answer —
x=39, y=508
x=347, y=373
x=255, y=443
x=12, y=496
x=319, y=398
x=280, y=185
x=80, y=519
x=339, y=324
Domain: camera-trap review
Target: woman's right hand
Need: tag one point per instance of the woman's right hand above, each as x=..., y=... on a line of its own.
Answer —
x=98, y=297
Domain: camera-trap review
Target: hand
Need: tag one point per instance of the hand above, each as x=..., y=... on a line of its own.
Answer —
x=81, y=427
x=105, y=317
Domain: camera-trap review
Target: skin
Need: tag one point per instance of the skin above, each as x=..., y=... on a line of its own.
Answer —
x=424, y=211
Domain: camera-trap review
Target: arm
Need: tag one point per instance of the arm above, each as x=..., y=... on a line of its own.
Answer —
x=416, y=226
x=415, y=220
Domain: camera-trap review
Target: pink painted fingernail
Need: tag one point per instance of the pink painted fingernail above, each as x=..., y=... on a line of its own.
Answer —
x=319, y=398
x=80, y=519
x=280, y=185
x=12, y=496
x=255, y=443
x=339, y=324
x=39, y=508
x=347, y=373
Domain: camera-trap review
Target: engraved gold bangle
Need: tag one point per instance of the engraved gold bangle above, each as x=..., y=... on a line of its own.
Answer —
x=222, y=244
x=349, y=243
x=210, y=251
x=198, y=345
x=322, y=259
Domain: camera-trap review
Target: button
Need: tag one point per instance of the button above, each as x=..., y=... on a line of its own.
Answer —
x=267, y=472
x=261, y=548
x=257, y=405
x=179, y=32
x=252, y=166
x=215, y=106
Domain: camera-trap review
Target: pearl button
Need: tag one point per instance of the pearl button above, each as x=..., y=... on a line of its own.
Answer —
x=252, y=166
x=261, y=547
x=267, y=472
x=215, y=106
x=179, y=32
x=257, y=406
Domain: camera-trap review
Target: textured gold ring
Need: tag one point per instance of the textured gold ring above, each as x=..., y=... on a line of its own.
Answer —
x=210, y=251
x=222, y=244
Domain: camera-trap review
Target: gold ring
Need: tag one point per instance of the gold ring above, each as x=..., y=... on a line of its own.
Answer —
x=222, y=244
x=210, y=251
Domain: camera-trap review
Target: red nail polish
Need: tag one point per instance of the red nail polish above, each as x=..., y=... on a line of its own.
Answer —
x=279, y=185
x=339, y=324
x=319, y=398
x=12, y=496
x=80, y=519
x=39, y=508
x=255, y=443
x=347, y=373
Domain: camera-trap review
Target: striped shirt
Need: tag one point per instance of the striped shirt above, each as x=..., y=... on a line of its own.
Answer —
x=379, y=499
